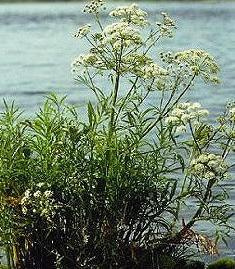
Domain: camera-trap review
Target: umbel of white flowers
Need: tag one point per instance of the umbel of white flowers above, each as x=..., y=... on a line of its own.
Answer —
x=209, y=166
x=184, y=113
x=39, y=201
x=124, y=36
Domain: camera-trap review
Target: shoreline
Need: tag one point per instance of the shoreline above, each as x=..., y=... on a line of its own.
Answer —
x=112, y=1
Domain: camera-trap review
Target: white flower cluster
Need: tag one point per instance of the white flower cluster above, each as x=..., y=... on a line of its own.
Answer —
x=38, y=202
x=83, y=31
x=183, y=113
x=94, y=6
x=192, y=62
x=200, y=62
x=120, y=35
x=208, y=166
x=178, y=71
x=87, y=60
x=143, y=66
x=167, y=25
x=170, y=59
x=153, y=71
x=130, y=14
x=134, y=62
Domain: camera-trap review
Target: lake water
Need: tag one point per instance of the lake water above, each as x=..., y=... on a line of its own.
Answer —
x=37, y=47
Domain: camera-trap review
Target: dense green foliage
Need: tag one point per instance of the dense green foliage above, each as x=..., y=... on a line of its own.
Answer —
x=111, y=191
x=224, y=263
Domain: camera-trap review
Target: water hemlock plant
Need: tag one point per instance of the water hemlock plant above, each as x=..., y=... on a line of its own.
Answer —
x=114, y=191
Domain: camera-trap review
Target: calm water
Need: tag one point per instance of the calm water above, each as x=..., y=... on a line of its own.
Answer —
x=37, y=47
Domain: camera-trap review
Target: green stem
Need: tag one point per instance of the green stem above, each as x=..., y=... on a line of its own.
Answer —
x=8, y=256
x=200, y=208
x=178, y=237
x=115, y=93
x=116, y=87
x=126, y=97
x=194, y=138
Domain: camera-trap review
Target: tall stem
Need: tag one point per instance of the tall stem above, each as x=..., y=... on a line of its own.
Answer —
x=115, y=93
x=178, y=237
x=116, y=87
x=111, y=127
x=202, y=205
